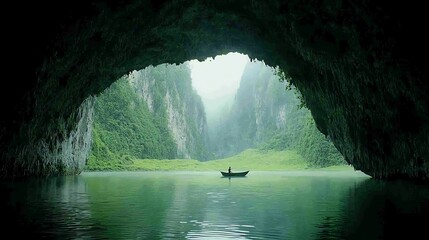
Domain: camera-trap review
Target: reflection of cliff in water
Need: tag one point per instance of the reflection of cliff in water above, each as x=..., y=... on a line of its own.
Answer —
x=27, y=209
x=374, y=209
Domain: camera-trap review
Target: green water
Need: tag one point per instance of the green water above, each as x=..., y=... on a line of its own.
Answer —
x=203, y=205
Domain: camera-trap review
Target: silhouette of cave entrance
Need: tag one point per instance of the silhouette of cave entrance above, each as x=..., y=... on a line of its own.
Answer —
x=360, y=67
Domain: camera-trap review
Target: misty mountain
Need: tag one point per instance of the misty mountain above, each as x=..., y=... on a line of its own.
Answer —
x=156, y=114
x=267, y=115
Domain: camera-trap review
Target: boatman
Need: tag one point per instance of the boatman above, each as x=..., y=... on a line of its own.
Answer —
x=229, y=170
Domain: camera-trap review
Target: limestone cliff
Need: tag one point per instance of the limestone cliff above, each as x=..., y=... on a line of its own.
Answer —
x=151, y=113
x=183, y=107
x=268, y=114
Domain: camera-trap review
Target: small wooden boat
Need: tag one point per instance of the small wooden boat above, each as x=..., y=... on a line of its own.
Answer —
x=234, y=174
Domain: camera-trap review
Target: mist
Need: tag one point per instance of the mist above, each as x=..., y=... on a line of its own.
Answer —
x=216, y=81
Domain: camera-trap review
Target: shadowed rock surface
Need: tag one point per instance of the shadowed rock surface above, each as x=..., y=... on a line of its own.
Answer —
x=361, y=67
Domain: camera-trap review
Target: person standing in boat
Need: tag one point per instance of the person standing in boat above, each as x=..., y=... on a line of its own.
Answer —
x=229, y=170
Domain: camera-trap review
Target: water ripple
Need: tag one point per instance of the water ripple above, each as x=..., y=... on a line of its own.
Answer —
x=204, y=206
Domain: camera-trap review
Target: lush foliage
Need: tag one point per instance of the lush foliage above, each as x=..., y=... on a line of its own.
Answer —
x=262, y=108
x=153, y=113
x=250, y=159
x=124, y=126
x=317, y=149
x=269, y=113
x=253, y=159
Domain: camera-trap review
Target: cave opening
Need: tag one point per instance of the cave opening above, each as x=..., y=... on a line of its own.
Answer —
x=215, y=111
x=359, y=72
x=361, y=67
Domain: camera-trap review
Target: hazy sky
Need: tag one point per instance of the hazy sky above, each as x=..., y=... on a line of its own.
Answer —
x=215, y=78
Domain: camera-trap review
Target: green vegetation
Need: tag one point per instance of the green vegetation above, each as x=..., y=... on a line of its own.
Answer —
x=254, y=159
x=262, y=110
x=316, y=148
x=250, y=159
x=152, y=116
x=124, y=126
x=269, y=114
x=336, y=168
x=148, y=115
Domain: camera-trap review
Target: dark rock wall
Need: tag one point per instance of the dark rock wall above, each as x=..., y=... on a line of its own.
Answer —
x=360, y=65
x=367, y=84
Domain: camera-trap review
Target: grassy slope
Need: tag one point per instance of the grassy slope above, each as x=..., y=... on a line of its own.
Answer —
x=251, y=159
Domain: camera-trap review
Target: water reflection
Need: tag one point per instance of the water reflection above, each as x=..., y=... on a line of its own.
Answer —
x=51, y=208
x=375, y=209
x=282, y=205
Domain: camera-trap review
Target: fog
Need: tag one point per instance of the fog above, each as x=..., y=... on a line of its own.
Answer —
x=217, y=80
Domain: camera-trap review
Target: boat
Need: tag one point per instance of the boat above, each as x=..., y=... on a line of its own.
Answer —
x=234, y=174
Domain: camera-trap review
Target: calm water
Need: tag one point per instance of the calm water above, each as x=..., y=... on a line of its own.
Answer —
x=192, y=205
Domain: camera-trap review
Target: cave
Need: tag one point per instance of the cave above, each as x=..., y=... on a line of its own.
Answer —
x=361, y=67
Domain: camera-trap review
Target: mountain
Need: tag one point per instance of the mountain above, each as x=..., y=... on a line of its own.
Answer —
x=151, y=113
x=268, y=113
x=156, y=114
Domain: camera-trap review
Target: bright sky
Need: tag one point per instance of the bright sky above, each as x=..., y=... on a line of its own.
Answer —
x=215, y=78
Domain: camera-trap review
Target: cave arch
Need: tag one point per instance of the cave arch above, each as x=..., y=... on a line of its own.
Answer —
x=361, y=68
